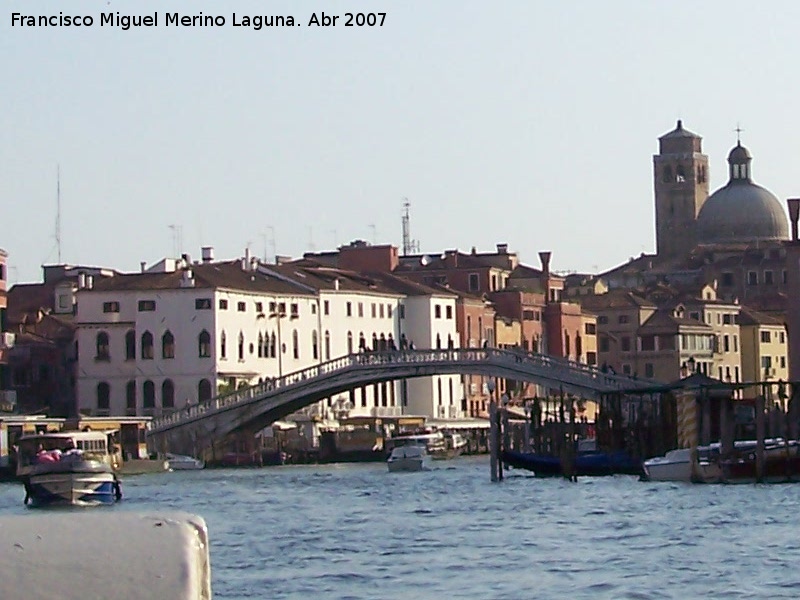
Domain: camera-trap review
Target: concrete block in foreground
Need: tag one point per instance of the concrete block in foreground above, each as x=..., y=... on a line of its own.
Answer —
x=103, y=553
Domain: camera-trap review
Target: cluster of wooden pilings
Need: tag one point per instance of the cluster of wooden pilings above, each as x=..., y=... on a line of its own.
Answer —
x=642, y=425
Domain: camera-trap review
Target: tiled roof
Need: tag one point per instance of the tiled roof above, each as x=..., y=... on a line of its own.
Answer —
x=663, y=320
x=613, y=299
x=748, y=316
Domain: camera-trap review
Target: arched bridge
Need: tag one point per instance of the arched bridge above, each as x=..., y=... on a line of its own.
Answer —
x=252, y=408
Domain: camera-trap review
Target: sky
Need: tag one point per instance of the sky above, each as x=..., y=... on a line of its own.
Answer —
x=523, y=122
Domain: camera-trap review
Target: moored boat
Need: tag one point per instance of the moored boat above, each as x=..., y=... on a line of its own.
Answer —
x=179, y=462
x=675, y=465
x=591, y=464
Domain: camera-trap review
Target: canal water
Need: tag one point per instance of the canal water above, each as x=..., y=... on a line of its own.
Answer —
x=357, y=531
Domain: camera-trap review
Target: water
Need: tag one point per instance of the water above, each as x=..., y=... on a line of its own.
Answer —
x=357, y=531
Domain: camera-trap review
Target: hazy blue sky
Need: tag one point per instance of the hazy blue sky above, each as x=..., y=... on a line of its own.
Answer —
x=526, y=122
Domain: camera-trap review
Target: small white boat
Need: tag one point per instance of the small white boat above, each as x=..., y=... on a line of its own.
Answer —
x=675, y=465
x=179, y=462
x=74, y=468
x=408, y=458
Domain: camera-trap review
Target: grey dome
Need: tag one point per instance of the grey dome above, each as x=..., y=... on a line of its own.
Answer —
x=741, y=212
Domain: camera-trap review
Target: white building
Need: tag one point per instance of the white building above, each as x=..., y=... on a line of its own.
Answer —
x=179, y=332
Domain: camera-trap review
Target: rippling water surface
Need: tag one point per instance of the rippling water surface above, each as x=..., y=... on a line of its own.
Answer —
x=357, y=531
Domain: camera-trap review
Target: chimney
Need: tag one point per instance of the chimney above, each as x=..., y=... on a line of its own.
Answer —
x=794, y=215
x=187, y=260
x=187, y=278
x=545, y=258
x=81, y=280
x=142, y=266
x=208, y=253
x=336, y=284
x=247, y=255
x=89, y=282
x=474, y=250
x=502, y=248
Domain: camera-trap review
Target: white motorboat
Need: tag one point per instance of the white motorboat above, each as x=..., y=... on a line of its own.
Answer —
x=179, y=462
x=408, y=458
x=675, y=465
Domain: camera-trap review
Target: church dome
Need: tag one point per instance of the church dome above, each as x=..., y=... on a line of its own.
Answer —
x=742, y=211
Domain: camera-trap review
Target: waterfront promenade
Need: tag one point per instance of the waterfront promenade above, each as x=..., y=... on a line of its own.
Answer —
x=275, y=533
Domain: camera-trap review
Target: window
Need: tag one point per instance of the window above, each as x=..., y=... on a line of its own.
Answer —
x=766, y=337
x=147, y=346
x=108, y=307
x=389, y=310
x=402, y=311
x=591, y=329
x=602, y=343
x=130, y=398
x=327, y=345
x=202, y=304
x=148, y=395
x=349, y=342
x=273, y=346
x=295, y=308
x=782, y=337
x=102, y=347
x=167, y=394
x=494, y=282
x=437, y=311
x=147, y=305
x=381, y=311
x=726, y=343
x=752, y=278
x=602, y=320
x=768, y=280
x=295, y=345
x=349, y=309
x=360, y=309
x=314, y=346
x=474, y=282
x=259, y=307
x=240, y=346
x=727, y=319
x=167, y=345
x=260, y=345
x=666, y=174
x=203, y=390
x=223, y=305
x=626, y=344
x=766, y=362
x=373, y=311
x=223, y=350
x=648, y=343
x=622, y=319
x=204, y=344
x=591, y=358
x=273, y=308
x=727, y=279
x=649, y=371
x=326, y=307
x=241, y=306
x=448, y=312
x=103, y=396
x=783, y=362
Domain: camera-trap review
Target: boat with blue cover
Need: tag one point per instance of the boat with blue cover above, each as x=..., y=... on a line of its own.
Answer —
x=590, y=464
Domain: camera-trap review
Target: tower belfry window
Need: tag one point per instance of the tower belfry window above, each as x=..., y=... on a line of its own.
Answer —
x=667, y=174
x=680, y=174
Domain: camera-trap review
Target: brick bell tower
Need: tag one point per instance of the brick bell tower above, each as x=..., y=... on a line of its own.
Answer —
x=680, y=179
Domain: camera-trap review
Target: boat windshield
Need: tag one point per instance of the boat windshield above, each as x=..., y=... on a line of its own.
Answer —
x=91, y=447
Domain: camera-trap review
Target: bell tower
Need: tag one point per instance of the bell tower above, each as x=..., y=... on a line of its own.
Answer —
x=680, y=179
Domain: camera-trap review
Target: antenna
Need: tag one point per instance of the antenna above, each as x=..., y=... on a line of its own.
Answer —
x=58, y=211
x=409, y=246
x=177, y=239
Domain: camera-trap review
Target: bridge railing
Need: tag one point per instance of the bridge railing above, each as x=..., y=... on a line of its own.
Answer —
x=393, y=357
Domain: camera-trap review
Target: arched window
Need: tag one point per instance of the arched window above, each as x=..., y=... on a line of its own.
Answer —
x=449, y=342
x=103, y=396
x=680, y=174
x=295, y=344
x=374, y=341
x=349, y=342
x=102, y=347
x=148, y=395
x=450, y=383
x=167, y=345
x=147, y=346
x=130, y=345
x=273, y=345
x=203, y=390
x=390, y=345
x=439, y=389
x=314, y=345
x=328, y=345
x=438, y=342
x=260, y=345
x=130, y=398
x=666, y=174
x=204, y=344
x=382, y=342
x=578, y=346
x=566, y=345
x=167, y=394
x=362, y=342
x=241, y=346
x=223, y=350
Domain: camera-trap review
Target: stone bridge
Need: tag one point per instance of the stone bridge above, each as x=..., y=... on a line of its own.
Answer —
x=250, y=409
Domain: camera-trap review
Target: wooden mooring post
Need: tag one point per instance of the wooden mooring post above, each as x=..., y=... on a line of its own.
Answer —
x=494, y=442
x=760, y=434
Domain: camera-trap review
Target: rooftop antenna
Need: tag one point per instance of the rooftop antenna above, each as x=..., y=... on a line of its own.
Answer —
x=58, y=211
x=409, y=246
